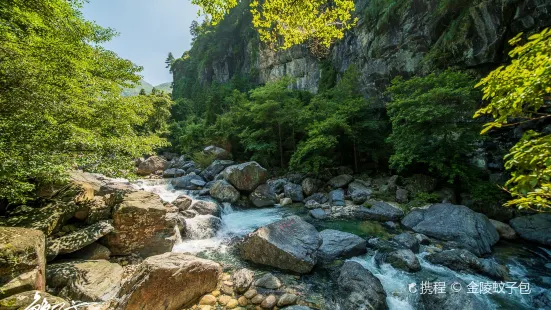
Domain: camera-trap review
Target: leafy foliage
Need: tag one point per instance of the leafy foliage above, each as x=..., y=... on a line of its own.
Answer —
x=518, y=91
x=60, y=103
x=284, y=23
x=431, y=123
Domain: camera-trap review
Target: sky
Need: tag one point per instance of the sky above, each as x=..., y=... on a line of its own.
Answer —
x=149, y=29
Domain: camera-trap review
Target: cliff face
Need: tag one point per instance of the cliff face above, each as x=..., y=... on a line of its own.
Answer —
x=401, y=37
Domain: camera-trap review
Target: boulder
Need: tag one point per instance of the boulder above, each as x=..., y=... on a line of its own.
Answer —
x=286, y=300
x=318, y=197
x=464, y=261
x=173, y=280
x=173, y=173
x=470, y=230
x=359, y=191
x=217, y=152
x=403, y=259
x=402, y=195
x=189, y=182
x=293, y=191
x=340, y=181
x=93, y=251
x=95, y=210
x=379, y=211
x=242, y=280
x=420, y=183
x=263, y=196
x=310, y=186
x=269, y=302
x=338, y=244
x=268, y=281
x=183, y=202
x=245, y=177
x=358, y=288
x=215, y=168
x=285, y=201
x=277, y=185
x=78, y=239
x=505, y=231
x=141, y=226
x=202, y=227
x=152, y=164
x=336, y=197
x=318, y=214
x=452, y=300
x=289, y=244
x=22, y=260
x=31, y=300
x=408, y=241
x=48, y=219
x=224, y=191
x=536, y=228
x=205, y=207
x=93, y=281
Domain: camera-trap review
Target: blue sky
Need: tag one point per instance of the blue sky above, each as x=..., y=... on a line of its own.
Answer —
x=149, y=29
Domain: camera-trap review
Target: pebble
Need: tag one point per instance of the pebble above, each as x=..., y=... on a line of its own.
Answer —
x=269, y=302
x=250, y=294
x=232, y=304
x=208, y=300
x=287, y=299
x=215, y=293
x=243, y=301
x=257, y=299
x=224, y=299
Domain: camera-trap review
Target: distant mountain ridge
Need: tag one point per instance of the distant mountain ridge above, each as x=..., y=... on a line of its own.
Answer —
x=134, y=91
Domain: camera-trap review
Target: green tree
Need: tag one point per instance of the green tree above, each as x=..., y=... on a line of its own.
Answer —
x=169, y=61
x=60, y=103
x=142, y=92
x=432, y=123
x=517, y=93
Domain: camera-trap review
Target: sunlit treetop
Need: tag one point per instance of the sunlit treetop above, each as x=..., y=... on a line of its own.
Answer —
x=284, y=23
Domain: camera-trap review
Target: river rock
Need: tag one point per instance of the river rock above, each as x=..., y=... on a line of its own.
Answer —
x=217, y=152
x=263, y=196
x=215, y=168
x=22, y=260
x=268, y=281
x=224, y=192
x=204, y=207
x=358, y=288
x=277, y=185
x=402, y=195
x=471, y=230
x=189, y=182
x=269, y=302
x=379, y=211
x=78, y=239
x=142, y=225
x=295, y=307
x=336, y=197
x=340, y=181
x=310, y=186
x=173, y=280
x=505, y=231
x=33, y=299
x=420, y=183
x=289, y=244
x=318, y=214
x=403, y=259
x=48, y=219
x=536, y=228
x=93, y=281
x=151, y=165
x=338, y=244
x=318, y=197
x=97, y=210
x=242, y=280
x=452, y=300
x=202, y=227
x=173, y=173
x=93, y=251
x=285, y=201
x=183, y=202
x=408, y=241
x=359, y=192
x=286, y=300
x=293, y=191
x=245, y=177
x=464, y=261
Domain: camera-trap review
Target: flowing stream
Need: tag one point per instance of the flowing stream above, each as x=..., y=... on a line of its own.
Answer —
x=527, y=263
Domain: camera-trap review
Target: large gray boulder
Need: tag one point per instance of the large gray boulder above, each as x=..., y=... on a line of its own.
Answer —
x=379, y=211
x=151, y=165
x=452, y=300
x=289, y=244
x=245, y=177
x=338, y=244
x=277, y=185
x=189, y=182
x=217, y=152
x=170, y=281
x=536, y=228
x=263, y=196
x=470, y=230
x=22, y=260
x=464, y=261
x=173, y=173
x=205, y=207
x=310, y=186
x=403, y=259
x=340, y=181
x=242, y=280
x=202, y=227
x=78, y=239
x=336, y=197
x=224, y=191
x=318, y=197
x=293, y=191
x=215, y=168
x=358, y=288
x=95, y=280
x=359, y=191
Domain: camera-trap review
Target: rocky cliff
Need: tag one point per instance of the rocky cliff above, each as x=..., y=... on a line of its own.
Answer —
x=400, y=37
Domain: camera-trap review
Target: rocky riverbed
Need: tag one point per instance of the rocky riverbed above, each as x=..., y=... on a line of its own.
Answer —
x=228, y=236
